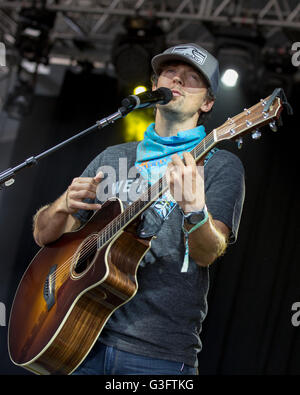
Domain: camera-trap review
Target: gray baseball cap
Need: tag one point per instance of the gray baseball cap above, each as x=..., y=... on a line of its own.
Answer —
x=194, y=55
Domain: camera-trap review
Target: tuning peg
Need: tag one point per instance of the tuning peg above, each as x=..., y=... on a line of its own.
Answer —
x=273, y=126
x=239, y=142
x=256, y=135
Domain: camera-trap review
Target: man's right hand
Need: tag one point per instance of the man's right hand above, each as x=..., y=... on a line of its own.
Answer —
x=51, y=221
x=80, y=189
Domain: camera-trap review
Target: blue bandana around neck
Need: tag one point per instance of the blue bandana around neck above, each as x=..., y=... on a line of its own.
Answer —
x=154, y=152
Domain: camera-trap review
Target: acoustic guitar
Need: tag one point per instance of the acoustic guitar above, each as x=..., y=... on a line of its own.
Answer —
x=73, y=285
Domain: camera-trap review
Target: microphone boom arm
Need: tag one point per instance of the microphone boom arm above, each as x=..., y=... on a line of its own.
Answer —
x=146, y=99
x=7, y=177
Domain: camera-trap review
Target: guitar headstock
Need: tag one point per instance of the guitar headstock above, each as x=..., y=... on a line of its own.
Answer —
x=249, y=121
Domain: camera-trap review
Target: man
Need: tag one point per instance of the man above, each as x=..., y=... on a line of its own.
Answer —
x=157, y=332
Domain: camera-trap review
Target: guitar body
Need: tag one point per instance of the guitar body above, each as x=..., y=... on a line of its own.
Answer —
x=69, y=291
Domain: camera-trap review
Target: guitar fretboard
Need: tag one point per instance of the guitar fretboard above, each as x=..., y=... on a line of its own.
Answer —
x=150, y=195
x=234, y=127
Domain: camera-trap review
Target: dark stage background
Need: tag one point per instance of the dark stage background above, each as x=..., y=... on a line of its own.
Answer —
x=248, y=329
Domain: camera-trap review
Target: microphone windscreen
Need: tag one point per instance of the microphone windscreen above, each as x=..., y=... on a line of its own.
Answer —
x=167, y=94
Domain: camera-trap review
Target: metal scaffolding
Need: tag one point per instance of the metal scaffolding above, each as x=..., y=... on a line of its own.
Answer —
x=99, y=21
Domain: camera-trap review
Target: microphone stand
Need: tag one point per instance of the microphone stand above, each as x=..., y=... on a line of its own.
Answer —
x=7, y=177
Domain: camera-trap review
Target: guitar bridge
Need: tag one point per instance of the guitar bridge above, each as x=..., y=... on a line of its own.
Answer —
x=49, y=288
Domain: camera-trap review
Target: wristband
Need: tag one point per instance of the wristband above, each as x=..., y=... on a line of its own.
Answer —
x=203, y=212
x=186, y=232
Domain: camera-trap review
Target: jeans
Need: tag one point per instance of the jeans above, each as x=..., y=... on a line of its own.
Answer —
x=106, y=360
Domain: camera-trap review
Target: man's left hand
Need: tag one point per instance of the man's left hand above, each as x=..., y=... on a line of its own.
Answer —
x=186, y=182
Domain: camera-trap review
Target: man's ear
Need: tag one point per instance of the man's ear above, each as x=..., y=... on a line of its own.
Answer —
x=207, y=106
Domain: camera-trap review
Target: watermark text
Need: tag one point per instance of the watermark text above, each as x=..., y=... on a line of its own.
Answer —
x=2, y=314
x=296, y=316
x=2, y=55
x=296, y=54
x=127, y=186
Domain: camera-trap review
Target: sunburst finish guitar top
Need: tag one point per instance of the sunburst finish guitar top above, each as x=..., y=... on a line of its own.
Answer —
x=69, y=291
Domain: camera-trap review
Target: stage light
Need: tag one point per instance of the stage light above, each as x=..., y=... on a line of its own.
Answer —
x=133, y=50
x=33, y=33
x=278, y=71
x=230, y=78
x=239, y=52
x=33, y=44
x=139, y=89
x=136, y=123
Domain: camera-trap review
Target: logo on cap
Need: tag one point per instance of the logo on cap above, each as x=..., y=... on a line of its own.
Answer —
x=193, y=53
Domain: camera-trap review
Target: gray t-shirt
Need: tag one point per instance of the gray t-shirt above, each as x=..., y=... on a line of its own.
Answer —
x=164, y=319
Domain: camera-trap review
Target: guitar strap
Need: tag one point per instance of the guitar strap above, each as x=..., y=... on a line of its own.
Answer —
x=153, y=218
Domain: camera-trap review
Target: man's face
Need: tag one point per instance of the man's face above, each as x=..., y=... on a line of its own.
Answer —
x=189, y=89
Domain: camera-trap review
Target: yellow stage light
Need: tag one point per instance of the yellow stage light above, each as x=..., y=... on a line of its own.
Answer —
x=136, y=123
x=139, y=89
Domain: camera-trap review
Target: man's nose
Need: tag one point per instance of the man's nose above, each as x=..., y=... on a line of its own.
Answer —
x=178, y=78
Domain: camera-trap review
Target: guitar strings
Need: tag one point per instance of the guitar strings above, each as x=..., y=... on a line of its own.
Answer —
x=113, y=226
x=90, y=246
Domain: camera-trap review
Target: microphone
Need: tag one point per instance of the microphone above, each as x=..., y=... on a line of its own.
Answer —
x=148, y=99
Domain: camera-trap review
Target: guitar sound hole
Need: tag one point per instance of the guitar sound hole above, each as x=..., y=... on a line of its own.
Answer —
x=85, y=255
x=83, y=263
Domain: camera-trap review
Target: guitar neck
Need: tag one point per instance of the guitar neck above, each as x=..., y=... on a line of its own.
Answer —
x=204, y=146
x=160, y=186
x=233, y=128
x=152, y=194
